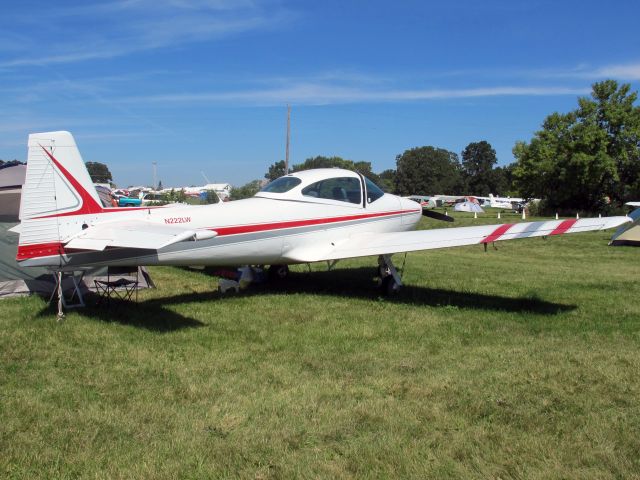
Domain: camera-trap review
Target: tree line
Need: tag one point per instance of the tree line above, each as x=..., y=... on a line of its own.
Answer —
x=10, y=163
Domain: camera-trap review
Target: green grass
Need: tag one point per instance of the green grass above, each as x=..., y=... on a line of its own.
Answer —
x=516, y=363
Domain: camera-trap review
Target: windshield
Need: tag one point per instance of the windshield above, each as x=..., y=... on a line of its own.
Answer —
x=373, y=191
x=281, y=185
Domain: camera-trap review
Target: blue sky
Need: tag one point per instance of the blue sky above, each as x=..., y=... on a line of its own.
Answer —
x=202, y=86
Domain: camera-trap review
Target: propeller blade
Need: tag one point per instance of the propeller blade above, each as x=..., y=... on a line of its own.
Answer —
x=436, y=215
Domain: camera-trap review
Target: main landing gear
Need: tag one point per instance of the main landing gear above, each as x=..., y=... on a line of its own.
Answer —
x=390, y=281
x=278, y=272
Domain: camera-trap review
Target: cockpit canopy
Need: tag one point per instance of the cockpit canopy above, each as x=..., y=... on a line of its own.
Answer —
x=323, y=183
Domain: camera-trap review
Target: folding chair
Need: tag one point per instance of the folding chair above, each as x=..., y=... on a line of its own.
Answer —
x=121, y=283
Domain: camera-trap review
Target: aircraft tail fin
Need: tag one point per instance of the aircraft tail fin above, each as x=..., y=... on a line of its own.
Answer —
x=57, y=185
x=57, y=181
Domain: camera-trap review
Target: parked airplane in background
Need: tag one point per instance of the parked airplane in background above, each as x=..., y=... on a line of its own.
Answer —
x=308, y=216
x=507, y=203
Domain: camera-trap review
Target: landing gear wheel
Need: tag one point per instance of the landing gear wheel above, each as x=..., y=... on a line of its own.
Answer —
x=383, y=272
x=278, y=272
x=389, y=286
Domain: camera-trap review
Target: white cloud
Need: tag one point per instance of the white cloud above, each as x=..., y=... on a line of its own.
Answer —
x=622, y=72
x=630, y=71
x=127, y=26
x=323, y=94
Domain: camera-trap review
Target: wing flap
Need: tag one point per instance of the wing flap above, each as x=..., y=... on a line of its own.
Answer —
x=366, y=244
x=138, y=234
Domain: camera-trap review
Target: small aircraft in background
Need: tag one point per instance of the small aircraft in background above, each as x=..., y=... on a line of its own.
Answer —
x=506, y=203
x=308, y=216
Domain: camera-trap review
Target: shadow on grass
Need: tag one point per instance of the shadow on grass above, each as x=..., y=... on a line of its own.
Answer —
x=149, y=314
x=357, y=283
x=360, y=283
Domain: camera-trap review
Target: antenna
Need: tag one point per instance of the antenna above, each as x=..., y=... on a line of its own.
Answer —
x=205, y=177
x=155, y=175
x=286, y=158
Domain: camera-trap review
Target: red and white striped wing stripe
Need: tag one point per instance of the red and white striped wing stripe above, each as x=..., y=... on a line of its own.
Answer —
x=365, y=244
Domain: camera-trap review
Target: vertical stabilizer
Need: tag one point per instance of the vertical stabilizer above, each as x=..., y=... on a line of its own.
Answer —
x=57, y=181
x=57, y=188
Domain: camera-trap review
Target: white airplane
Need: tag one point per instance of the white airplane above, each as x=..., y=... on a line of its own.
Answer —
x=308, y=216
x=501, y=202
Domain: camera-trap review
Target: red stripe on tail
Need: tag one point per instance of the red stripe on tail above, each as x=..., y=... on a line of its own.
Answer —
x=39, y=250
x=89, y=205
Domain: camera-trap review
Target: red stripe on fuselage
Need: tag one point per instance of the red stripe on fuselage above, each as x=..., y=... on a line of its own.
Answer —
x=261, y=227
x=563, y=227
x=497, y=233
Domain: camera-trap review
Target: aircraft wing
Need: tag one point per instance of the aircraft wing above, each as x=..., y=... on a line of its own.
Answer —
x=134, y=234
x=366, y=244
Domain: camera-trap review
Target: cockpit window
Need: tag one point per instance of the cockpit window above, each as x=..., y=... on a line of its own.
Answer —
x=373, y=191
x=343, y=189
x=281, y=185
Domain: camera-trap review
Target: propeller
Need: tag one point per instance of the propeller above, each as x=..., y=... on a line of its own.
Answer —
x=436, y=215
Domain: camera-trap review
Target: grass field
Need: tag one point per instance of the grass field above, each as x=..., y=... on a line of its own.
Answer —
x=517, y=363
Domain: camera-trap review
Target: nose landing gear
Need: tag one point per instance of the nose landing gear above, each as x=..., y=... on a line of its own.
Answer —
x=390, y=281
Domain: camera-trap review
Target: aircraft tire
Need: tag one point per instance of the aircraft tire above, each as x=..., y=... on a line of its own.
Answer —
x=389, y=286
x=278, y=272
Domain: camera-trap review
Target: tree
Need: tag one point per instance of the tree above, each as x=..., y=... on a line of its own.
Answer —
x=210, y=198
x=478, y=159
x=99, y=172
x=10, y=163
x=428, y=171
x=178, y=196
x=159, y=185
x=246, y=191
x=324, y=162
x=387, y=180
x=275, y=171
x=585, y=158
x=502, y=181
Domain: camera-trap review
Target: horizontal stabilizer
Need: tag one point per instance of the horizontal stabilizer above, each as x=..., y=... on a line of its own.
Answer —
x=134, y=234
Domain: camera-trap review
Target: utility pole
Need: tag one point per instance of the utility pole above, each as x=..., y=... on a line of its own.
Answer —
x=155, y=175
x=286, y=158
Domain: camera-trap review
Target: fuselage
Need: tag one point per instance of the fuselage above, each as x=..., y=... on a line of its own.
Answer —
x=259, y=230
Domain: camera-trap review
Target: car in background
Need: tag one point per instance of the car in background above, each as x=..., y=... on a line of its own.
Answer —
x=129, y=202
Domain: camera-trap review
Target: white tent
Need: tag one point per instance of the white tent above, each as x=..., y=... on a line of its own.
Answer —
x=468, y=206
x=629, y=233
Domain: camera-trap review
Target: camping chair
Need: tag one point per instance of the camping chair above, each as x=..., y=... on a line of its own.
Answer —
x=121, y=283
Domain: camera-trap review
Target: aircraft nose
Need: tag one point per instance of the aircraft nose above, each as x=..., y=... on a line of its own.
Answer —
x=412, y=211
